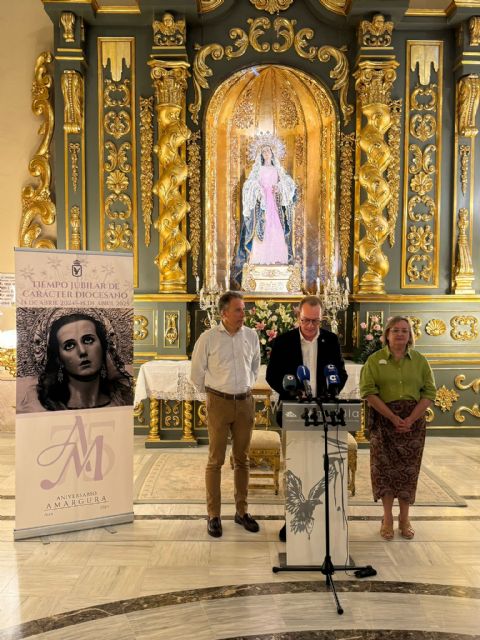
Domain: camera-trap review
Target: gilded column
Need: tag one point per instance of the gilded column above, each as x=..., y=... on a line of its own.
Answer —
x=374, y=80
x=170, y=84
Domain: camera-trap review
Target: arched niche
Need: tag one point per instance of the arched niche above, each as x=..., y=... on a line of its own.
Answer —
x=299, y=111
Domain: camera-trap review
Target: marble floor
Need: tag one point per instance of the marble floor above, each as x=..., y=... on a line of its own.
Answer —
x=163, y=577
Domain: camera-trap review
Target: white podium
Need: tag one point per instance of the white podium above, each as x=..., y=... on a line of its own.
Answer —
x=305, y=482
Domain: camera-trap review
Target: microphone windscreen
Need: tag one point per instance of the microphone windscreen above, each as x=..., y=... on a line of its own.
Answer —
x=289, y=382
x=303, y=373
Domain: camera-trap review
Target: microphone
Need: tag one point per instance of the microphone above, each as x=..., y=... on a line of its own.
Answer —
x=303, y=375
x=289, y=385
x=333, y=380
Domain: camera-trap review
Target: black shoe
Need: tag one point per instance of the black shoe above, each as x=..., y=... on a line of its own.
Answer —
x=214, y=527
x=282, y=534
x=248, y=522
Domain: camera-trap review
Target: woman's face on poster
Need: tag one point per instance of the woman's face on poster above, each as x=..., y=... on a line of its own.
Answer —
x=79, y=349
x=267, y=155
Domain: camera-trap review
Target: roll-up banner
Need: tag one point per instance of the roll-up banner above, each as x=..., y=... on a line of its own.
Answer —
x=74, y=422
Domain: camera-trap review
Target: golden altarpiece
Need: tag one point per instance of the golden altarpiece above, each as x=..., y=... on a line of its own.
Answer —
x=162, y=120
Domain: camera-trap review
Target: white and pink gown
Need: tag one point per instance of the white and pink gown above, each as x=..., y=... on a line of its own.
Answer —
x=273, y=248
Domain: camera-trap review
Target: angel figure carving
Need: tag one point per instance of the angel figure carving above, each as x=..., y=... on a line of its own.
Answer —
x=300, y=508
x=268, y=203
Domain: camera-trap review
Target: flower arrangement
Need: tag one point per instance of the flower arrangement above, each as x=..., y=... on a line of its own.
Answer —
x=371, y=339
x=269, y=320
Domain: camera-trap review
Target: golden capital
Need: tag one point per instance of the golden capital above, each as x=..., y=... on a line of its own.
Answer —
x=169, y=80
x=374, y=80
x=272, y=6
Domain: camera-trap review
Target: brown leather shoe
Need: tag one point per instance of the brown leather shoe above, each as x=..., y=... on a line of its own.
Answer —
x=214, y=527
x=247, y=522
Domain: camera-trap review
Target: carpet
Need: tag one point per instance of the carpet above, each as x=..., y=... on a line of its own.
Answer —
x=177, y=476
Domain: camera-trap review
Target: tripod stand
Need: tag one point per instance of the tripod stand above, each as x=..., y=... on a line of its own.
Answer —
x=328, y=417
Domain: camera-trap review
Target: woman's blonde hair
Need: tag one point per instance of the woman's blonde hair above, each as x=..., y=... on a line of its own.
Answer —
x=393, y=321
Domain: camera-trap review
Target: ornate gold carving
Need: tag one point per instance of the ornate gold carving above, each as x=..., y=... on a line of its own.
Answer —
x=470, y=330
x=140, y=327
x=340, y=74
x=138, y=411
x=474, y=30
x=393, y=171
x=67, y=22
x=423, y=127
x=187, y=435
x=172, y=417
x=337, y=6
x=117, y=157
x=416, y=326
x=423, y=272
x=426, y=56
x=428, y=202
x=153, y=434
x=194, y=174
x=170, y=337
x=202, y=414
x=146, y=163
x=120, y=89
x=430, y=93
x=468, y=97
x=74, y=148
x=474, y=411
x=445, y=398
x=169, y=32
x=118, y=235
x=285, y=30
x=170, y=83
x=435, y=327
x=347, y=146
x=36, y=200
x=474, y=385
x=464, y=273
x=464, y=162
x=75, y=224
x=204, y=6
x=373, y=84
x=420, y=239
x=72, y=89
x=271, y=6
x=117, y=124
x=376, y=33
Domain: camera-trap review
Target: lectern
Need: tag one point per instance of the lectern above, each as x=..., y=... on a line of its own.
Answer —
x=305, y=482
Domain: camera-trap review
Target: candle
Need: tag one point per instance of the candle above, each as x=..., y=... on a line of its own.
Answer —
x=226, y=283
x=197, y=283
x=347, y=284
x=318, y=285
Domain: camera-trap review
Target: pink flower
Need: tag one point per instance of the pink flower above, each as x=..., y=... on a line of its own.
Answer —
x=374, y=318
x=260, y=326
x=271, y=334
x=369, y=337
x=377, y=327
x=363, y=325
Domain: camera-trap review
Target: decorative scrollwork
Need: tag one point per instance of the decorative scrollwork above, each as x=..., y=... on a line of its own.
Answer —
x=117, y=157
x=340, y=74
x=467, y=106
x=420, y=238
x=417, y=216
x=474, y=411
x=194, y=173
x=169, y=32
x=430, y=93
x=464, y=162
x=36, y=200
x=377, y=33
x=435, y=327
x=72, y=89
x=74, y=149
x=393, y=171
x=117, y=124
x=347, y=147
x=284, y=29
x=416, y=326
x=119, y=235
x=423, y=127
x=469, y=331
x=122, y=200
x=171, y=328
x=138, y=412
x=474, y=385
x=140, y=327
x=75, y=239
x=474, y=31
x=445, y=398
x=122, y=89
x=425, y=272
x=422, y=159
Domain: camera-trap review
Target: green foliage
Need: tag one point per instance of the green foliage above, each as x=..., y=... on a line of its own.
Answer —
x=370, y=339
x=269, y=320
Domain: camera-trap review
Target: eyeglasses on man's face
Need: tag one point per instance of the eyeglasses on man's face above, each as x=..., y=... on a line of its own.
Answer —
x=312, y=321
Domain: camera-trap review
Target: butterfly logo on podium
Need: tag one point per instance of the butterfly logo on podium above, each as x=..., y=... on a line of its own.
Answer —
x=302, y=509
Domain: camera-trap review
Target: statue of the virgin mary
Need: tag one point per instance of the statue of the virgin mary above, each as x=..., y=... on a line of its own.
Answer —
x=268, y=199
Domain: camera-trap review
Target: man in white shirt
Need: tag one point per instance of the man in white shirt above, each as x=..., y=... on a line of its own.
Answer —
x=225, y=364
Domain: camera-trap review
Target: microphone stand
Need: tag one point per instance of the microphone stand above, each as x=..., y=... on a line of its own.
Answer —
x=328, y=568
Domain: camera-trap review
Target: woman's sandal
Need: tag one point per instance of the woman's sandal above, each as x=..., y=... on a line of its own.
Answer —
x=386, y=531
x=406, y=529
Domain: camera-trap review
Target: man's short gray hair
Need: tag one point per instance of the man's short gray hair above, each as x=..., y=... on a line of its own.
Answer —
x=226, y=298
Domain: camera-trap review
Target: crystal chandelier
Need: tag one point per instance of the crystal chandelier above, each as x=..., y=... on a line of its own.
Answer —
x=334, y=299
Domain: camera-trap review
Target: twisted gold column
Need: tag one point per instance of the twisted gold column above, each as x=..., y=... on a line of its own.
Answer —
x=170, y=84
x=373, y=83
x=187, y=435
x=153, y=434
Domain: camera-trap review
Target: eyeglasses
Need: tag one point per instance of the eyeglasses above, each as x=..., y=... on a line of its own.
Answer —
x=314, y=322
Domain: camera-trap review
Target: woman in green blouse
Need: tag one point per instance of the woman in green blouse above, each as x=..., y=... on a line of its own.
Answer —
x=398, y=384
